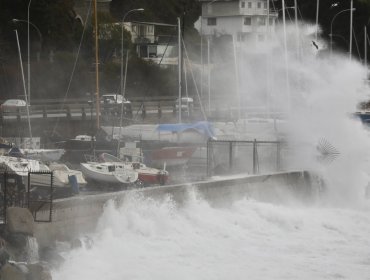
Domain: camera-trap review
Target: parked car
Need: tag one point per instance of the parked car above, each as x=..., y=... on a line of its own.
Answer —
x=12, y=105
x=113, y=99
x=112, y=104
x=187, y=104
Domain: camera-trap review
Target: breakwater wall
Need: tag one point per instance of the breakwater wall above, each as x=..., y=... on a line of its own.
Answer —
x=79, y=215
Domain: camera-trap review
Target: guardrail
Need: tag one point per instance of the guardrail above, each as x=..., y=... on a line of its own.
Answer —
x=88, y=110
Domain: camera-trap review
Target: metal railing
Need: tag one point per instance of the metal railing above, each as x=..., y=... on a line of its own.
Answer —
x=16, y=192
x=237, y=157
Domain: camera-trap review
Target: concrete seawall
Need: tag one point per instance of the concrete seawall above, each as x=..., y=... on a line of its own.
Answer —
x=78, y=215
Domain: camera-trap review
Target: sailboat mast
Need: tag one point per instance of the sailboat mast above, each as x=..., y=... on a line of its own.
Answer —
x=180, y=67
x=350, y=31
x=96, y=65
x=24, y=86
x=365, y=47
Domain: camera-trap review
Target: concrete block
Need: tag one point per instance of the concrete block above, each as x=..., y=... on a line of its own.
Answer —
x=20, y=220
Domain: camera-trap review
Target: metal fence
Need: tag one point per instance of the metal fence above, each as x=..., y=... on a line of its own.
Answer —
x=237, y=157
x=34, y=192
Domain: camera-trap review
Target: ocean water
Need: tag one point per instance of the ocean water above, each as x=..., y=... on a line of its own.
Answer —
x=147, y=239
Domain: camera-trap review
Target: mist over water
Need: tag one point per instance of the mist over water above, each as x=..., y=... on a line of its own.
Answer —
x=317, y=93
x=148, y=239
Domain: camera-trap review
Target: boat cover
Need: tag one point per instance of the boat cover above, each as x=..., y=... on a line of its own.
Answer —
x=203, y=127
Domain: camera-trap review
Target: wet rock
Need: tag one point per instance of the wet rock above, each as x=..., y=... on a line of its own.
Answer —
x=50, y=256
x=38, y=272
x=4, y=254
x=76, y=243
x=21, y=247
x=84, y=241
x=12, y=272
x=17, y=240
x=20, y=220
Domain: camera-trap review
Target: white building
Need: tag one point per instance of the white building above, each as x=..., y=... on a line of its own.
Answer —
x=149, y=46
x=246, y=20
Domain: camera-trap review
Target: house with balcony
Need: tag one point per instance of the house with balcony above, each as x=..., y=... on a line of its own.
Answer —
x=149, y=45
x=152, y=46
x=245, y=20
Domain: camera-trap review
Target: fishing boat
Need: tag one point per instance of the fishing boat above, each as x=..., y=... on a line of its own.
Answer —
x=108, y=172
x=146, y=175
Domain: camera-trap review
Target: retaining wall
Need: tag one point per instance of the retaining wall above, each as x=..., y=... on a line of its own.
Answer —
x=78, y=215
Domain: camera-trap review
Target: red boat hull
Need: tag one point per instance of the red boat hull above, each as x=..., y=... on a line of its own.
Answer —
x=149, y=178
x=171, y=156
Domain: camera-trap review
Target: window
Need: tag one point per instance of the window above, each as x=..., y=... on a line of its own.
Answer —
x=249, y=5
x=259, y=5
x=152, y=51
x=242, y=4
x=271, y=20
x=265, y=5
x=261, y=37
x=111, y=168
x=150, y=29
x=211, y=21
x=247, y=21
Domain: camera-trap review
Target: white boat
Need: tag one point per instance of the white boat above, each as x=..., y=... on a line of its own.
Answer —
x=45, y=155
x=108, y=172
x=40, y=176
x=21, y=166
x=61, y=176
x=62, y=172
x=147, y=175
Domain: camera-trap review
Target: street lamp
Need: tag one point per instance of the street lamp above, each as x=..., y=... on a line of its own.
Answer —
x=123, y=20
x=331, y=27
x=14, y=20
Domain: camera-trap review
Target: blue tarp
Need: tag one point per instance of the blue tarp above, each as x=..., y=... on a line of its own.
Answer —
x=204, y=128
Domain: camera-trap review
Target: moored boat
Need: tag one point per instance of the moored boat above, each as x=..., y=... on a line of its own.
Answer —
x=147, y=175
x=108, y=172
x=46, y=155
x=42, y=180
x=62, y=176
